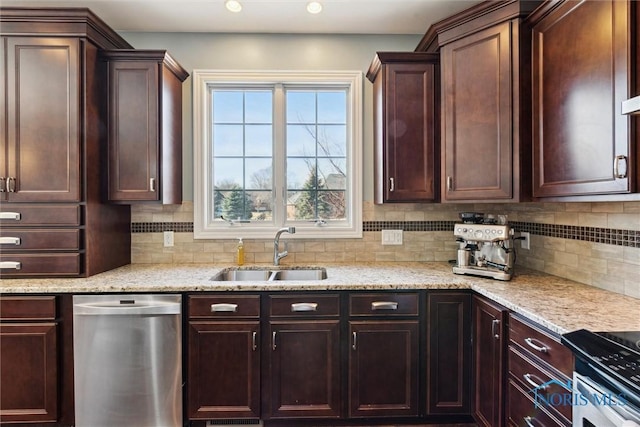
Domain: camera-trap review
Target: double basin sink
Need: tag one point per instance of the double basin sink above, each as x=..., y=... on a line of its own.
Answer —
x=269, y=274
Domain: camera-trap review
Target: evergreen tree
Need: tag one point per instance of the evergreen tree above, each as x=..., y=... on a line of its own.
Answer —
x=312, y=204
x=237, y=204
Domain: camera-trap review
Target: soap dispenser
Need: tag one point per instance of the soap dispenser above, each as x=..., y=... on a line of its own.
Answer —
x=240, y=252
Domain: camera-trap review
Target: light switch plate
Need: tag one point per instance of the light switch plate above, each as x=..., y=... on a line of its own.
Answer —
x=168, y=239
x=391, y=237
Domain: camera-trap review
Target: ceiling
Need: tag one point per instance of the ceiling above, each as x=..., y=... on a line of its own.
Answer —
x=265, y=16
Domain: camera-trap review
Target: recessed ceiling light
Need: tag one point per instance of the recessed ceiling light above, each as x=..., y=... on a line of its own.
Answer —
x=233, y=6
x=314, y=7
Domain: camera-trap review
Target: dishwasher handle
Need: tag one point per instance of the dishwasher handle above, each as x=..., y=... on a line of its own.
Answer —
x=124, y=306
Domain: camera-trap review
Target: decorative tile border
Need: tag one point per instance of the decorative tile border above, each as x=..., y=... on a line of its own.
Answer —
x=607, y=236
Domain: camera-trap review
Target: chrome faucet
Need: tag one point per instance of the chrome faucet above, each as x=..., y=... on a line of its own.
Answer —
x=276, y=244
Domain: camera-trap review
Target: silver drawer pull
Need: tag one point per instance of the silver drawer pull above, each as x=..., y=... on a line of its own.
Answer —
x=304, y=306
x=620, y=167
x=253, y=341
x=540, y=348
x=494, y=329
x=2, y=184
x=224, y=307
x=273, y=341
x=10, y=241
x=540, y=386
x=528, y=421
x=392, y=185
x=152, y=184
x=11, y=215
x=13, y=265
x=354, y=345
x=11, y=184
x=384, y=305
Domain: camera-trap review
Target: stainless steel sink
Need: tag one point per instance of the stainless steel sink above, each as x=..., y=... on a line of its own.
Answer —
x=270, y=275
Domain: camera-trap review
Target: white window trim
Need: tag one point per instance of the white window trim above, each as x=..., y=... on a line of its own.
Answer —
x=202, y=79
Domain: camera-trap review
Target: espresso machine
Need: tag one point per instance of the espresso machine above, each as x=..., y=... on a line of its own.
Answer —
x=485, y=246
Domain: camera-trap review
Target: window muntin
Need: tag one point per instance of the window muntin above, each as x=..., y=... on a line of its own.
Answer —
x=277, y=149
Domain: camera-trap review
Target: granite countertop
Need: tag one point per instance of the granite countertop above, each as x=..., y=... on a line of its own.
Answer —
x=559, y=304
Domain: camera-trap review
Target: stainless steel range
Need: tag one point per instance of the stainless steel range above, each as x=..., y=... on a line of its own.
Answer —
x=485, y=246
x=606, y=381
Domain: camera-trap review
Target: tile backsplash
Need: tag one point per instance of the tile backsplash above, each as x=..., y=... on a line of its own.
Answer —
x=593, y=243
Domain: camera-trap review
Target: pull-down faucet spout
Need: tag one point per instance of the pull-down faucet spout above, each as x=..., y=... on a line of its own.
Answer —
x=277, y=256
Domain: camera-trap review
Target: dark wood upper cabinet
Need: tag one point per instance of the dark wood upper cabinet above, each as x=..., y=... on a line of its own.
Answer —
x=486, y=133
x=42, y=162
x=406, y=126
x=583, y=69
x=145, y=126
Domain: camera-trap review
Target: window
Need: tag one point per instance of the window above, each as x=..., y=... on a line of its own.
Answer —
x=277, y=149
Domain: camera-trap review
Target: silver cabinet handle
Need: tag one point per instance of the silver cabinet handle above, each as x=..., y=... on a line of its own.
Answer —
x=618, y=171
x=3, y=182
x=355, y=340
x=16, y=216
x=541, y=348
x=11, y=184
x=10, y=265
x=273, y=341
x=494, y=328
x=10, y=241
x=304, y=306
x=152, y=184
x=540, y=385
x=529, y=421
x=384, y=305
x=449, y=183
x=392, y=185
x=224, y=307
x=253, y=340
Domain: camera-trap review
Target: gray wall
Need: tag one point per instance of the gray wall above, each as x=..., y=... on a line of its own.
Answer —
x=273, y=52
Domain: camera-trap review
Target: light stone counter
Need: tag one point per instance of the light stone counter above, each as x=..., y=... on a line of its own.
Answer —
x=559, y=304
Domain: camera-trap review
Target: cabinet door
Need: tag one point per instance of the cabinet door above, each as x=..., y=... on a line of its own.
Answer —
x=383, y=368
x=223, y=370
x=133, y=130
x=405, y=164
x=449, y=353
x=43, y=125
x=477, y=155
x=304, y=369
x=29, y=372
x=581, y=76
x=489, y=362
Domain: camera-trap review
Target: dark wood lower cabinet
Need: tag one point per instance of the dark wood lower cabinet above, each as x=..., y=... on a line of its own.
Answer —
x=304, y=369
x=448, y=353
x=224, y=370
x=490, y=341
x=383, y=368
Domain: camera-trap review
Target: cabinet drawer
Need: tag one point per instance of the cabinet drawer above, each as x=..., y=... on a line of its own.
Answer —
x=221, y=306
x=22, y=265
x=542, y=345
x=384, y=304
x=45, y=215
x=304, y=305
x=14, y=239
x=523, y=412
x=530, y=375
x=28, y=308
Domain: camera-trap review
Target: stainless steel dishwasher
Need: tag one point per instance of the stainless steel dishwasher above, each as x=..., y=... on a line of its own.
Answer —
x=127, y=360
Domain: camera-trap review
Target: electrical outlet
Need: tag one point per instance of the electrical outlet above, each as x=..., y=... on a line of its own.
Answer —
x=168, y=239
x=391, y=237
x=525, y=243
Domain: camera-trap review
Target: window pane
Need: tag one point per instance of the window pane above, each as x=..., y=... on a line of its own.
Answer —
x=227, y=140
x=332, y=140
x=262, y=205
x=227, y=106
x=259, y=107
x=301, y=107
x=332, y=107
x=301, y=140
x=299, y=172
x=310, y=204
x=332, y=173
x=258, y=174
x=235, y=204
x=258, y=140
x=227, y=172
